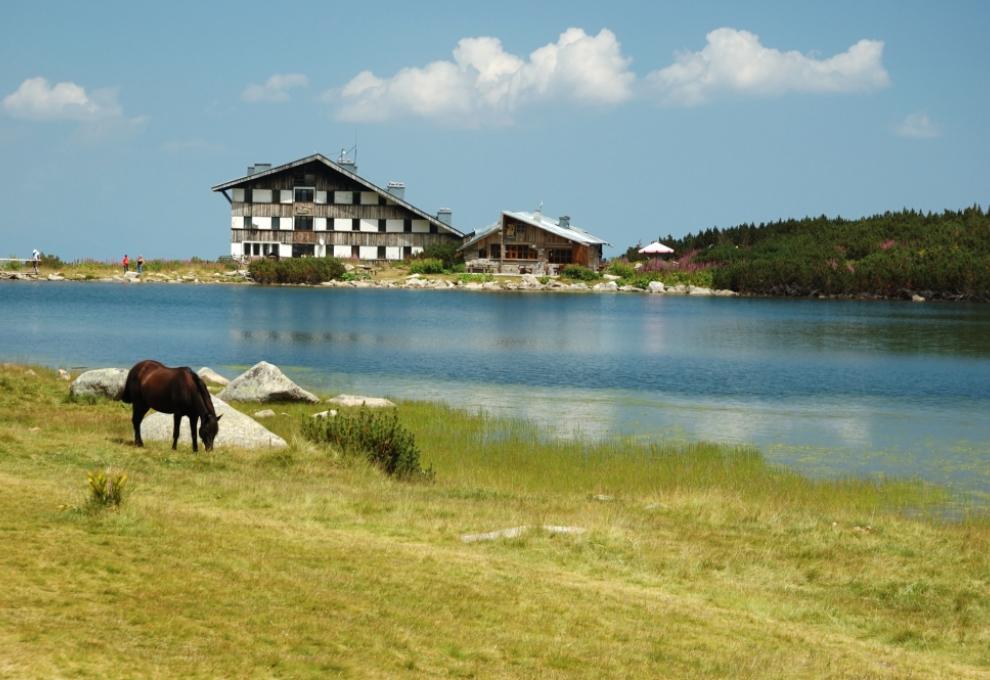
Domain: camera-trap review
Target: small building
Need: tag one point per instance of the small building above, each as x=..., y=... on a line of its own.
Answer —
x=317, y=207
x=531, y=243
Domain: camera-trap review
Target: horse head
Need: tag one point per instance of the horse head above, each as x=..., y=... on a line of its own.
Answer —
x=208, y=429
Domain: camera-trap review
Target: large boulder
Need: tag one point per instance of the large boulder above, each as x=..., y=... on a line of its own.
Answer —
x=236, y=429
x=265, y=382
x=355, y=400
x=211, y=376
x=655, y=287
x=106, y=383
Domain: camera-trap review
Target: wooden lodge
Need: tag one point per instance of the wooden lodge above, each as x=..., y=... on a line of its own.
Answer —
x=317, y=207
x=530, y=243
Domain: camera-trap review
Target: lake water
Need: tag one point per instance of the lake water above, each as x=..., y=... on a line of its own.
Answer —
x=829, y=387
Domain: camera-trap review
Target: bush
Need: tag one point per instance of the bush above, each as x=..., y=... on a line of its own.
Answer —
x=622, y=270
x=475, y=278
x=445, y=252
x=580, y=273
x=296, y=270
x=106, y=488
x=426, y=266
x=377, y=436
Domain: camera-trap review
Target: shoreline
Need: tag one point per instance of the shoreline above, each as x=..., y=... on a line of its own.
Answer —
x=508, y=283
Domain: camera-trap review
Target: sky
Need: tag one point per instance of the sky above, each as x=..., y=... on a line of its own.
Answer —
x=636, y=119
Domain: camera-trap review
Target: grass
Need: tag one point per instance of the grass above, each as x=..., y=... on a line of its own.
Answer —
x=702, y=561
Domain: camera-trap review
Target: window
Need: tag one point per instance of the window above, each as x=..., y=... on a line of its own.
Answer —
x=248, y=197
x=496, y=251
x=515, y=251
x=303, y=250
x=433, y=228
x=407, y=226
x=275, y=223
x=482, y=253
x=407, y=250
x=381, y=227
x=304, y=224
x=381, y=252
x=248, y=224
x=304, y=194
x=559, y=255
x=356, y=197
x=355, y=225
x=356, y=252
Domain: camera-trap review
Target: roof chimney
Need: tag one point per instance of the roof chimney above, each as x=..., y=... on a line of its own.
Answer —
x=446, y=216
x=250, y=170
x=258, y=167
x=346, y=163
x=564, y=221
x=397, y=189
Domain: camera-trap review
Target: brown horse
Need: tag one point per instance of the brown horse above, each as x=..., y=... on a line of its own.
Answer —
x=178, y=391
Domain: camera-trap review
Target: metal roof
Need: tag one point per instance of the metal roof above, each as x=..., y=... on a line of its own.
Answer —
x=347, y=173
x=538, y=220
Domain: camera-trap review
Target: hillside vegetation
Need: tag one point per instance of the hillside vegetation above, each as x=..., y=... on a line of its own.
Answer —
x=896, y=254
x=695, y=561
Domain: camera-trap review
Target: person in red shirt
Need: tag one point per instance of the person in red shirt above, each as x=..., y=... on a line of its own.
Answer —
x=126, y=262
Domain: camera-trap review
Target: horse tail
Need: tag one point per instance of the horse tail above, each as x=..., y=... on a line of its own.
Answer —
x=132, y=387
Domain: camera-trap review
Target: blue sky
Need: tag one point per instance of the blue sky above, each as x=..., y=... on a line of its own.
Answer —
x=636, y=119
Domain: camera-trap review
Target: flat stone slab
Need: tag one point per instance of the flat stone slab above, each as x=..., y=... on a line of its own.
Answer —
x=265, y=382
x=211, y=376
x=106, y=383
x=356, y=400
x=516, y=532
x=236, y=429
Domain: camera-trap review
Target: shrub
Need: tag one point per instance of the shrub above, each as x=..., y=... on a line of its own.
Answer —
x=377, y=436
x=576, y=271
x=106, y=488
x=296, y=270
x=445, y=252
x=622, y=270
x=426, y=266
x=475, y=278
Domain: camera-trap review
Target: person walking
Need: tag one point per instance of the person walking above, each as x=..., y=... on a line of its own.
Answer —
x=126, y=262
x=140, y=264
x=35, y=259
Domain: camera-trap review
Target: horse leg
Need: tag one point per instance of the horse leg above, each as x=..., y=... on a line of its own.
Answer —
x=138, y=411
x=192, y=427
x=176, y=421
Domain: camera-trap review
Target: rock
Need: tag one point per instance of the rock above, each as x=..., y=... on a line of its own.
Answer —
x=606, y=286
x=64, y=375
x=516, y=532
x=30, y=372
x=131, y=275
x=415, y=283
x=489, y=285
x=611, y=277
x=264, y=413
x=679, y=289
x=917, y=298
x=325, y=414
x=723, y=292
x=56, y=277
x=211, y=376
x=356, y=400
x=236, y=429
x=265, y=382
x=107, y=383
x=472, y=285
x=655, y=287
x=698, y=290
x=630, y=289
x=530, y=281
x=603, y=498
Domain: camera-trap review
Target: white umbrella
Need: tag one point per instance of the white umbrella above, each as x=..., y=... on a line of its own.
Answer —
x=656, y=248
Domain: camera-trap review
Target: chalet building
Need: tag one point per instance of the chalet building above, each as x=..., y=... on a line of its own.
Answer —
x=317, y=207
x=530, y=243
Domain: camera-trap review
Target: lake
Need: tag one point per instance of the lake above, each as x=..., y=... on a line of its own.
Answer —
x=828, y=387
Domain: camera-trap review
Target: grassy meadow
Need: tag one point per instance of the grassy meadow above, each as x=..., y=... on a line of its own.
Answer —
x=697, y=561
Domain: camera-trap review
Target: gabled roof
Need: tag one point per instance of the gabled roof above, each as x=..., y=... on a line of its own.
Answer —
x=318, y=157
x=538, y=220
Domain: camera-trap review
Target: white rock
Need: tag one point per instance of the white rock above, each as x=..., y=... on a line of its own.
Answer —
x=264, y=413
x=265, y=382
x=326, y=414
x=655, y=287
x=917, y=298
x=101, y=382
x=415, y=283
x=236, y=429
x=211, y=376
x=606, y=286
x=64, y=375
x=490, y=285
x=356, y=400
x=611, y=277
x=56, y=277
x=723, y=292
x=630, y=289
x=679, y=289
x=699, y=290
x=473, y=285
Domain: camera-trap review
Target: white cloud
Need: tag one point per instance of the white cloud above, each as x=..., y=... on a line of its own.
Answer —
x=36, y=99
x=275, y=89
x=918, y=126
x=735, y=61
x=484, y=83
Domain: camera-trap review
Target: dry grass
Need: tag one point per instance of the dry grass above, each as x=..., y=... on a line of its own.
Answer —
x=706, y=562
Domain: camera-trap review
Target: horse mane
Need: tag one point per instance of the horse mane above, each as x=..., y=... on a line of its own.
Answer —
x=204, y=394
